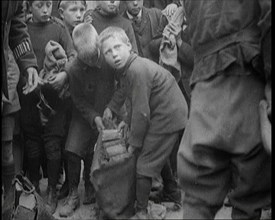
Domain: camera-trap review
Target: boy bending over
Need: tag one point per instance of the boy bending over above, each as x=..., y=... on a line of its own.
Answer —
x=158, y=109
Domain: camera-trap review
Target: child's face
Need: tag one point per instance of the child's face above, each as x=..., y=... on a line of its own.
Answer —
x=134, y=6
x=73, y=14
x=116, y=52
x=41, y=10
x=110, y=7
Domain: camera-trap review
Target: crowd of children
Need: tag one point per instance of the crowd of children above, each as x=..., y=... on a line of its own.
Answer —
x=207, y=129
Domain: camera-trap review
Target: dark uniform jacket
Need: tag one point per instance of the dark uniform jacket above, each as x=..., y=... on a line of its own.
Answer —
x=157, y=104
x=223, y=40
x=14, y=34
x=148, y=32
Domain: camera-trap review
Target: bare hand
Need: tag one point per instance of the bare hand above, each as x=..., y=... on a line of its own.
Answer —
x=124, y=128
x=32, y=81
x=107, y=115
x=99, y=123
x=170, y=9
x=131, y=149
x=58, y=80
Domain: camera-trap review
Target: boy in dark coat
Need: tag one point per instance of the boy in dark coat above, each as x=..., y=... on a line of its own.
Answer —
x=158, y=109
x=148, y=25
x=106, y=14
x=222, y=137
x=91, y=89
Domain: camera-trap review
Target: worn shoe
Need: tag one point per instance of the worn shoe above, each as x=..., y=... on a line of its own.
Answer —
x=89, y=195
x=64, y=191
x=52, y=200
x=70, y=205
x=142, y=214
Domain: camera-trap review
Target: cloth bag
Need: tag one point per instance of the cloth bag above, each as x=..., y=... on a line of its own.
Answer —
x=114, y=179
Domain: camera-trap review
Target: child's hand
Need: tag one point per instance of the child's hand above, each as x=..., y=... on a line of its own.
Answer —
x=99, y=123
x=131, y=149
x=58, y=80
x=170, y=10
x=107, y=115
x=124, y=128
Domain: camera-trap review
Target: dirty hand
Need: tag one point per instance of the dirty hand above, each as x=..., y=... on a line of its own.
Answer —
x=170, y=9
x=99, y=123
x=108, y=115
x=58, y=80
x=124, y=128
x=32, y=80
x=131, y=149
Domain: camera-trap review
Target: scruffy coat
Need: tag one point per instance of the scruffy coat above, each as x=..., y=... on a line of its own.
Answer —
x=157, y=104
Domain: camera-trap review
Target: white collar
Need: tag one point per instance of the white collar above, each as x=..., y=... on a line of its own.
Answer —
x=131, y=16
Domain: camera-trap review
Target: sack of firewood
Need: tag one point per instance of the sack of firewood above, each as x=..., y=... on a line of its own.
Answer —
x=113, y=176
x=23, y=203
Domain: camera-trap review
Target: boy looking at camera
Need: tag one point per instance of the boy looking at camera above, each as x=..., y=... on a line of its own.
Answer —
x=158, y=109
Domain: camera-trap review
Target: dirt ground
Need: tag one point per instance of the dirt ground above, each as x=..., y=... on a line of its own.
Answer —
x=87, y=212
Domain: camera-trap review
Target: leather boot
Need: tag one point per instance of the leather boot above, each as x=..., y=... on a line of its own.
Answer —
x=71, y=204
x=89, y=196
x=64, y=190
x=52, y=200
x=34, y=172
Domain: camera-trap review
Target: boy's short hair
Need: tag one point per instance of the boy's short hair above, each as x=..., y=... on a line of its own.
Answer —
x=115, y=32
x=64, y=4
x=85, y=40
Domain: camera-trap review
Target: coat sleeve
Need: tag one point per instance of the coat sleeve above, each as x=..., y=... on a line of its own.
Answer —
x=118, y=100
x=67, y=43
x=85, y=108
x=19, y=41
x=140, y=94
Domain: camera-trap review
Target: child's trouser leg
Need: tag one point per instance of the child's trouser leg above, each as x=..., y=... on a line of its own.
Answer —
x=7, y=153
x=72, y=201
x=171, y=190
x=89, y=196
x=143, y=188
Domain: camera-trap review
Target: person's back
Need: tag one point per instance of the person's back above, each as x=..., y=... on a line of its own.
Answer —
x=222, y=141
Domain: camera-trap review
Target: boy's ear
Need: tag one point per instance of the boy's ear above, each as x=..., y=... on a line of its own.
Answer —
x=61, y=11
x=129, y=45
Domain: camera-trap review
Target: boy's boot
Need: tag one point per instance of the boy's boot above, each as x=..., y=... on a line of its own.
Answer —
x=89, y=195
x=7, y=177
x=64, y=190
x=72, y=202
x=143, y=189
x=53, y=174
x=171, y=191
x=34, y=172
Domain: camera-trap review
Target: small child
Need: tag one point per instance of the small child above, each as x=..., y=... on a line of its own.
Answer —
x=72, y=12
x=46, y=138
x=106, y=14
x=91, y=89
x=148, y=25
x=158, y=109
